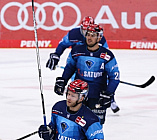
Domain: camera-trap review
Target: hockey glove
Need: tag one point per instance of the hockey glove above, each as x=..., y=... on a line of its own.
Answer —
x=59, y=86
x=105, y=99
x=53, y=61
x=46, y=132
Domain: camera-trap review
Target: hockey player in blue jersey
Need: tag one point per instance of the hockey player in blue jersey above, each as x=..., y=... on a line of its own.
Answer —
x=73, y=37
x=95, y=65
x=70, y=119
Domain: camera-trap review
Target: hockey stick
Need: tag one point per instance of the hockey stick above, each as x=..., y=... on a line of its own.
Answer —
x=39, y=70
x=150, y=81
x=38, y=61
x=27, y=135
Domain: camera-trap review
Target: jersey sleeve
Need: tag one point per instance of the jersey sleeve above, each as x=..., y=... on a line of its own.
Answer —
x=69, y=69
x=52, y=124
x=95, y=131
x=63, y=44
x=113, y=75
x=103, y=43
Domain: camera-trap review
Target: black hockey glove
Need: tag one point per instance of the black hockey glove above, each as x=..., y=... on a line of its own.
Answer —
x=105, y=99
x=59, y=86
x=53, y=61
x=46, y=132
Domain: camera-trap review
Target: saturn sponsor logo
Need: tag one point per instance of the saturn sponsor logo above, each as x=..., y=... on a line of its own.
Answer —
x=60, y=137
x=92, y=74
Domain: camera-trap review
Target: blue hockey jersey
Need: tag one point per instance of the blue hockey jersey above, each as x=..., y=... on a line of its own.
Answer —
x=83, y=125
x=94, y=68
x=74, y=37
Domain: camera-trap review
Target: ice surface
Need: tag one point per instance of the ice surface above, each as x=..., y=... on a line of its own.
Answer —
x=20, y=100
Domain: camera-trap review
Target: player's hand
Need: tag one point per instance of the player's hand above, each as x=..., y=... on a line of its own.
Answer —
x=59, y=86
x=105, y=99
x=53, y=61
x=46, y=132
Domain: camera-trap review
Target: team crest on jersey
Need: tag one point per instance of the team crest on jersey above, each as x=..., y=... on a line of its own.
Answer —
x=105, y=56
x=80, y=121
x=64, y=126
x=89, y=63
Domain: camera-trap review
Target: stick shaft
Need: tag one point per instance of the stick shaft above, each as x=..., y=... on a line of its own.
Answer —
x=27, y=135
x=38, y=62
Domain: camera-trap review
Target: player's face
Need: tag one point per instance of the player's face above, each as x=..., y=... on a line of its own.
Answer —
x=72, y=98
x=91, y=38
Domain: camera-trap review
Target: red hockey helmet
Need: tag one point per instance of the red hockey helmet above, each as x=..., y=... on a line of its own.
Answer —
x=79, y=87
x=86, y=21
x=95, y=28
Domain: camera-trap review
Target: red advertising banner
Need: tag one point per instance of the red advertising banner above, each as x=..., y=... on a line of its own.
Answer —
x=127, y=24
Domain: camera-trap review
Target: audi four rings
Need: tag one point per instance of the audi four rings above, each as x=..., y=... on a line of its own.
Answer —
x=40, y=22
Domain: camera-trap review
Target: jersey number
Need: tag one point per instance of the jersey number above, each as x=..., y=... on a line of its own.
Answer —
x=116, y=75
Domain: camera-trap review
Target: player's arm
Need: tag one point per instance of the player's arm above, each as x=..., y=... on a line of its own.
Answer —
x=113, y=80
x=113, y=75
x=61, y=82
x=103, y=42
x=55, y=57
x=49, y=131
x=69, y=69
x=95, y=131
x=63, y=44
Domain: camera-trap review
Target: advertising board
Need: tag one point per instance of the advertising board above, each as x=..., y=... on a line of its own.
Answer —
x=127, y=24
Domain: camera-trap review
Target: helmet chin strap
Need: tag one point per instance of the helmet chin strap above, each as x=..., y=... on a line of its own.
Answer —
x=93, y=44
x=77, y=101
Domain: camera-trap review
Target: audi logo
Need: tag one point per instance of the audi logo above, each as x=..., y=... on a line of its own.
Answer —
x=40, y=9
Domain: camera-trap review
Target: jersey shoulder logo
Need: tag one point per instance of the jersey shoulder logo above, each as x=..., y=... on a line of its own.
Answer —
x=80, y=121
x=64, y=126
x=105, y=56
x=89, y=63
